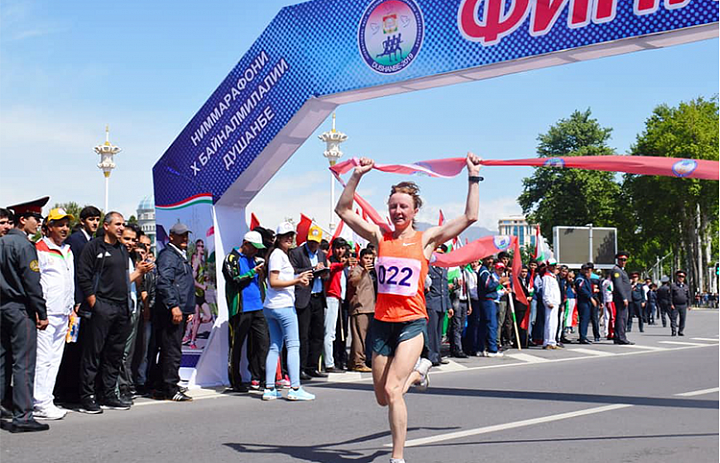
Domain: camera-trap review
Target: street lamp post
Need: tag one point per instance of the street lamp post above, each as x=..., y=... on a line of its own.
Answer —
x=107, y=151
x=332, y=152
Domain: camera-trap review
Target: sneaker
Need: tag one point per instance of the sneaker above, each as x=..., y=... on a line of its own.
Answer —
x=495, y=354
x=255, y=384
x=362, y=369
x=422, y=366
x=49, y=413
x=89, y=405
x=282, y=383
x=181, y=397
x=271, y=394
x=298, y=394
x=115, y=403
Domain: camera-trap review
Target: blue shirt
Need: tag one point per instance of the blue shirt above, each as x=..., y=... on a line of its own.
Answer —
x=251, y=298
x=317, y=282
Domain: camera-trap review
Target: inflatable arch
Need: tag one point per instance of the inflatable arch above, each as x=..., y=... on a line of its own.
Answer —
x=320, y=54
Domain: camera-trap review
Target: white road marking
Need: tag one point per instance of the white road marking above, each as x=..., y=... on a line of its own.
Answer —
x=653, y=348
x=679, y=343
x=705, y=339
x=700, y=392
x=527, y=358
x=598, y=353
x=512, y=425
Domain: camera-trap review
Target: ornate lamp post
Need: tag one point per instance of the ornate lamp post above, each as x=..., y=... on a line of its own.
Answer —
x=107, y=151
x=332, y=152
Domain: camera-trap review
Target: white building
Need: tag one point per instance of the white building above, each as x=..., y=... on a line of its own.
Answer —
x=146, y=218
x=516, y=225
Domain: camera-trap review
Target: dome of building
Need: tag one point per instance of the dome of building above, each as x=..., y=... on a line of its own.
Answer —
x=147, y=203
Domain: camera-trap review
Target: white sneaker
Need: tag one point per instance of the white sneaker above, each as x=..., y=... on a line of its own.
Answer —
x=49, y=413
x=495, y=354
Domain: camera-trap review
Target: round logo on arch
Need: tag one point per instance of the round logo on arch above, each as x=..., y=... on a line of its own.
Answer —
x=684, y=168
x=390, y=35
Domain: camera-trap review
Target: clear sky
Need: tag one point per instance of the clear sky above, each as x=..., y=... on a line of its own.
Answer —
x=145, y=67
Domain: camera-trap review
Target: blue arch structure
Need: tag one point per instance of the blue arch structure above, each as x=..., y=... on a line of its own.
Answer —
x=320, y=54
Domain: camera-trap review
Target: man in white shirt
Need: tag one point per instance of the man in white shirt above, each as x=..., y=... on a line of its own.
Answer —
x=57, y=278
x=551, y=300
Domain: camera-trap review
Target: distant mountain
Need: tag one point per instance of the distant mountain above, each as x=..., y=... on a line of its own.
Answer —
x=471, y=233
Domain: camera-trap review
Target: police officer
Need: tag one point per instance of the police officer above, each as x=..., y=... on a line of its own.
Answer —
x=637, y=301
x=22, y=311
x=437, y=299
x=679, y=300
x=585, y=301
x=663, y=297
x=621, y=297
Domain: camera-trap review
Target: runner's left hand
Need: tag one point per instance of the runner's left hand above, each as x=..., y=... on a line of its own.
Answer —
x=473, y=163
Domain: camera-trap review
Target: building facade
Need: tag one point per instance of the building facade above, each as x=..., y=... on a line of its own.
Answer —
x=516, y=225
x=146, y=218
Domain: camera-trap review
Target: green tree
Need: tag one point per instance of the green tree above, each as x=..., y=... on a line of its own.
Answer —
x=553, y=197
x=677, y=215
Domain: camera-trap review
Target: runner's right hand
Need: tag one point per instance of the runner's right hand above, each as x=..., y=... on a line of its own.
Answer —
x=366, y=164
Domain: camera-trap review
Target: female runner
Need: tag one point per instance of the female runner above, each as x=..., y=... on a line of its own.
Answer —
x=402, y=265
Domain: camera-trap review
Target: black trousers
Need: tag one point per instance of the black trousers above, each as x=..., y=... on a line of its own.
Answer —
x=67, y=389
x=103, y=347
x=457, y=323
x=435, y=335
x=342, y=333
x=170, y=353
x=636, y=309
x=664, y=312
x=679, y=310
x=311, y=324
x=258, y=343
x=621, y=320
x=18, y=352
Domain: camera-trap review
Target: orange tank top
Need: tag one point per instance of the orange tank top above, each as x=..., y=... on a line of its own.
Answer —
x=401, y=269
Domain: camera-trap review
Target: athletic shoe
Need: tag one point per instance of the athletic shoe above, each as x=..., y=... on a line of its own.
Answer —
x=49, y=413
x=181, y=397
x=271, y=394
x=115, y=403
x=89, y=405
x=282, y=383
x=495, y=354
x=298, y=394
x=422, y=366
x=255, y=384
x=193, y=345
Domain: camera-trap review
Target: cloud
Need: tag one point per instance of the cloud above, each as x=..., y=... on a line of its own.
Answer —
x=21, y=20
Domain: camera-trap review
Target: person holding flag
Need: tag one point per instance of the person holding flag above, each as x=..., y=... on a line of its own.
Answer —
x=400, y=324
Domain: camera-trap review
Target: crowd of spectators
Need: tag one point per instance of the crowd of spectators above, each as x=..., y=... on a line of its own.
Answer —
x=113, y=316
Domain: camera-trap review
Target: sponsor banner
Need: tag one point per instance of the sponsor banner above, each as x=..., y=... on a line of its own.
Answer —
x=345, y=48
x=195, y=212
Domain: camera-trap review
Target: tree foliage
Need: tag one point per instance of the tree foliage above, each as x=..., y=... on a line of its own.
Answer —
x=668, y=214
x=573, y=197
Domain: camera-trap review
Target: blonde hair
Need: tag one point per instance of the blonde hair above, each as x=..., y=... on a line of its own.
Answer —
x=409, y=188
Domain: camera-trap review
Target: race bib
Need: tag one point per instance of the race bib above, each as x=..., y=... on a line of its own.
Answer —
x=397, y=275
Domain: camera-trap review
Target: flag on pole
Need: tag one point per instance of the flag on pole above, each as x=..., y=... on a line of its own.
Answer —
x=441, y=219
x=542, y=251
x=302, y=229
x=254, y=222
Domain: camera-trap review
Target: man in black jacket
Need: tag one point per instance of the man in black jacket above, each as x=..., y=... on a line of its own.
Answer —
x=310, y=303
x=679, y=301
x=66, y=387
x=621, y=297
x=105, y=281
x=663, y=297
x=175, y=307
x=637, y=301
x=22, y=313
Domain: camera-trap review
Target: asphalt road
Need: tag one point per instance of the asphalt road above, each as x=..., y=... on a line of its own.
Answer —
x=655, y=402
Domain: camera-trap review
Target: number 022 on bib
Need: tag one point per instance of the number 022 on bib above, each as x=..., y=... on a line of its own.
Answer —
x=397, y=275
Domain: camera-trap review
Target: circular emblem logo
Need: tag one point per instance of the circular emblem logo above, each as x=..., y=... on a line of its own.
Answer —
x=554, y=162
x=685, y=167
x=501, y=242
x=34, y=265
x=390, y=35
